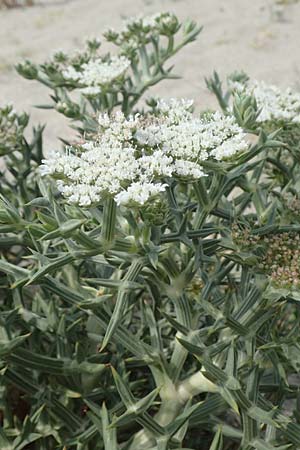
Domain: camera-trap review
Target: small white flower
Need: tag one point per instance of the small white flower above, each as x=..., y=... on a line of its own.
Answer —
x=188, y=169
x=192, y=138
x=139, y=193
x=176, y=109
x=98, y=72
x=157, y=164
x=91, y=90
x=71, y=74
x=104, y=120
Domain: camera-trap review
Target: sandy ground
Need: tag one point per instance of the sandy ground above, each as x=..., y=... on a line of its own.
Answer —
x=258, y=36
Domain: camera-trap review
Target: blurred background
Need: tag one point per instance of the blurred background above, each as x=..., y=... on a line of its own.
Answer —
x=262, y=37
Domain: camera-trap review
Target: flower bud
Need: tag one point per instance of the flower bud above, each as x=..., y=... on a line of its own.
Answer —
x=28, y=70
x=155, y=212
x=68, y=109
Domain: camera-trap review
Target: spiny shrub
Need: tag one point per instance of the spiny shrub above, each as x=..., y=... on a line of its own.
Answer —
x=150, y=271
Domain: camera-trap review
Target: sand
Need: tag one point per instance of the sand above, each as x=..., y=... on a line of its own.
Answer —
x=261, y=37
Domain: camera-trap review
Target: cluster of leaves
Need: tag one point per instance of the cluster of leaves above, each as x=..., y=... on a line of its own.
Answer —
x=120, y=331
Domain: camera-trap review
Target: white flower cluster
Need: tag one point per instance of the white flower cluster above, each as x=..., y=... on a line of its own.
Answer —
x=133, y=157
x=181, y=135
x=175, y=109
x=274, y=103
x=96, y=73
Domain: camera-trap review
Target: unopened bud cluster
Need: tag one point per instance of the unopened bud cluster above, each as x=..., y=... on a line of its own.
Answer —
x=12, y=126
x=140, y=30
x=155, y=212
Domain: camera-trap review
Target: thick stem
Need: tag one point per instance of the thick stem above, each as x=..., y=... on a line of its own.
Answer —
x=194, y=385
x=201, y=193
x=204, y=203
x=174, y=400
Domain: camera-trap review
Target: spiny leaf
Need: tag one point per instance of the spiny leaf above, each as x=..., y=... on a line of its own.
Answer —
x=8, y=346
x=217, y=443
x=122, y=300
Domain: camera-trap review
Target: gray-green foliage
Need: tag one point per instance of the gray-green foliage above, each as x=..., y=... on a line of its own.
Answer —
x=120, y=331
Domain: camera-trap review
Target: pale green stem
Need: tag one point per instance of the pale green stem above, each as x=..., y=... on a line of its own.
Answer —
x=109, y=220
x=174, y=400
x=184, y=317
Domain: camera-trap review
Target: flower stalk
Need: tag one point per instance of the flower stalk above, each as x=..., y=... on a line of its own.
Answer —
x=109, y=222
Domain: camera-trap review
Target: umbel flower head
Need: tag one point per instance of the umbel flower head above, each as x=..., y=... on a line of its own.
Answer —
x=97, y=72
x=274, y=104
x=133, y=158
